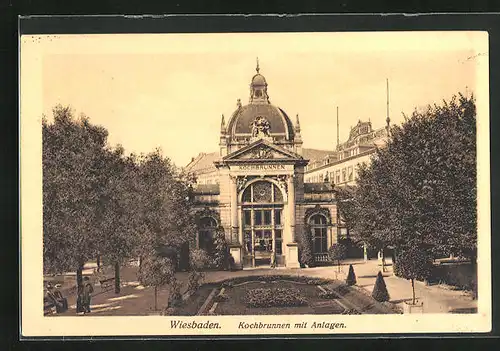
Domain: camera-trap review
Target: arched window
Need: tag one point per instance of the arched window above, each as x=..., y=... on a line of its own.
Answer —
x=208, y=226
x=262, y=192
x=319, y=226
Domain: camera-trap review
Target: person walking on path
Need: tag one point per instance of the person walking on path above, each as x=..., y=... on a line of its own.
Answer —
x=87, y=295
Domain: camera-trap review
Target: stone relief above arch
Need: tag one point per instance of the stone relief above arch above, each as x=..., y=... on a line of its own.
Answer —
x=318, y=210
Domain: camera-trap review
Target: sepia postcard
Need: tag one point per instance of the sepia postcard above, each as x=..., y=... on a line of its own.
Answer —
x=241, y=184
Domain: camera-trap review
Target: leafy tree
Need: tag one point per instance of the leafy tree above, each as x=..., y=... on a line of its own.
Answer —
x=221, y=252
x=351, y=277
x=119, y=209
x=421, y=188
x=380, y=292
x=73, y=154
x=156, y=271
x=165, y=206
x=198, y=261
x=337, y=252
x=414, y=262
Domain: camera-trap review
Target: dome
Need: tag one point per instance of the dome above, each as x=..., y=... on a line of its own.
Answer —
x=243, y=118
x=259, y=79
x=260, y=117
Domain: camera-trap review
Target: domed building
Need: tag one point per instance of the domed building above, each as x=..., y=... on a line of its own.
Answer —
x=253, y=188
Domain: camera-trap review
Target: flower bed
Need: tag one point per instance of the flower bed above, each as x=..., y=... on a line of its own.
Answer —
x=270, y=278
x=327, y=295
x=274, y=297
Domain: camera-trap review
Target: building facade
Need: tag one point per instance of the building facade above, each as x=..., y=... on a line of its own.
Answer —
x=263, y=188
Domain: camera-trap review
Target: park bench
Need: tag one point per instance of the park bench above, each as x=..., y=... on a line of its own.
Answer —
x=48, y=307
x=106, y=283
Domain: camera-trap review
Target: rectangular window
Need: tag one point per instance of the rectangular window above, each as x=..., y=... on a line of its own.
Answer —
x=350, y=172
x=317, y=245
x=247, y=218
x=343, y=175
x=258, y=218
x=278, y=248
x=277, y=217
x=337, y=176
x=267, y=217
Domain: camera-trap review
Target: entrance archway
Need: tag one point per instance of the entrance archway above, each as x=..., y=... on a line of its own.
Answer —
x=262, y=205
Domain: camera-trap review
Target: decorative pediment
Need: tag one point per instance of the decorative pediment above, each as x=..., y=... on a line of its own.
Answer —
x=262, y=150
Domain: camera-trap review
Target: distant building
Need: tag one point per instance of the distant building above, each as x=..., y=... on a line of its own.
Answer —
x=264, y=189
x=340, y=166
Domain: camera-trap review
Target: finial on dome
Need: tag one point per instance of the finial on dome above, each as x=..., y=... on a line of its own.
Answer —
x=238, y=103
x=257, y=68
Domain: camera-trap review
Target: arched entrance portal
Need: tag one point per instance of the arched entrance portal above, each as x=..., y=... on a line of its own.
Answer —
x=262, y=219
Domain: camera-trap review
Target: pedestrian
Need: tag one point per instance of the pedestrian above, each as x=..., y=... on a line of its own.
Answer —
x=87, y=294
x=57, y=299
x=79, y=300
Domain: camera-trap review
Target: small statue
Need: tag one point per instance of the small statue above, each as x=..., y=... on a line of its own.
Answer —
x=260, y=127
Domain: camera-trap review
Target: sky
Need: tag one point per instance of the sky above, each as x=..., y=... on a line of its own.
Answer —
x=170, y=91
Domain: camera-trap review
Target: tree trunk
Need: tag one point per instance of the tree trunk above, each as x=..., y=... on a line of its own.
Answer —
x=98, y=263
x=383, y=260
x=79, y=287
x=413, y=289
x=156, y=297
x=474, y=280
x=79, y=276
x=117, y=278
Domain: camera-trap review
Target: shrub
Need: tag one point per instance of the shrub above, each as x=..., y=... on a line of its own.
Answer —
x=221, y=254
x=274, y=297
x=198, y=259
x=232, y=263
x=351, y=276
x=316, y=282
x=194, y=280
x=351, y=311
x=327, y=295
x=337, y=252
x=380, y=292
x=175, y=297
x=304, y=240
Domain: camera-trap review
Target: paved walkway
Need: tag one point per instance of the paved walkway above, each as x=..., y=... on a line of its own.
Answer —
x=135, y=299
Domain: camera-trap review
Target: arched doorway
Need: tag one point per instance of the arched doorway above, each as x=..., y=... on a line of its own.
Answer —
x=206, y=234
x=319, y=230
x=262, y=220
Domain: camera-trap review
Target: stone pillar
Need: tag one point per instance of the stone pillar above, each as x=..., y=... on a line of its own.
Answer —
x=291, y=206
x=292, y=255
x=365, y=252
x=235, y=250
x=234, y=210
